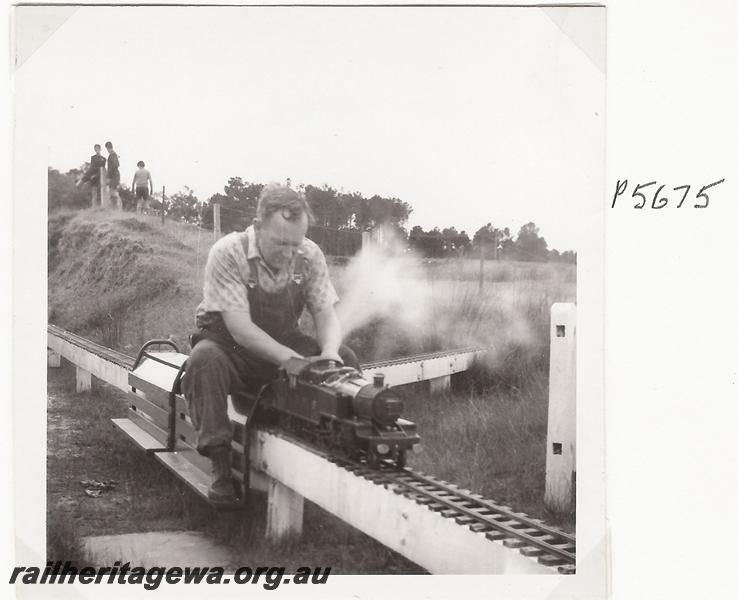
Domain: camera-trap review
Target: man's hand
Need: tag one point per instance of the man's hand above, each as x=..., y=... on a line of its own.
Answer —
x=330, y=355
x=294, y=355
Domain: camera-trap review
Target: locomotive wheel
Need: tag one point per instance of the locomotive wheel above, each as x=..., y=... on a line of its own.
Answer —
x=401, y=459
x=372, y=460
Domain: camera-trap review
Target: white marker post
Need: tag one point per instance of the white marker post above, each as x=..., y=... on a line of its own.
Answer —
x=216, y=221
x=561, y=439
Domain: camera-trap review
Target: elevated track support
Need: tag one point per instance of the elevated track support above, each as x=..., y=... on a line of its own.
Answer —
x=427, y=537
x=435, y=525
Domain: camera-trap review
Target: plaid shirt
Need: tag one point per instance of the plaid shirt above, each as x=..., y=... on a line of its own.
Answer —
x=227, y=274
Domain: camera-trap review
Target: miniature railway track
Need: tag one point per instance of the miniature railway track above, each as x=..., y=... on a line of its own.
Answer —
x=118, y=358
x=421, y=357
x=550, y=546
x=126, y=361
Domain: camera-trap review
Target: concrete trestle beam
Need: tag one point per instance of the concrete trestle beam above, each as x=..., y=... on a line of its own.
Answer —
x=430, y=540
x=104, y=369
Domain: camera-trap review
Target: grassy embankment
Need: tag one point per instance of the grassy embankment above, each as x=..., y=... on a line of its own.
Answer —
x=121, y=280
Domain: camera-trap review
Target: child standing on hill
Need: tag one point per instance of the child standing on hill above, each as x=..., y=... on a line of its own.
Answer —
x=141, y=183
x=113, y=174
x=97, y=162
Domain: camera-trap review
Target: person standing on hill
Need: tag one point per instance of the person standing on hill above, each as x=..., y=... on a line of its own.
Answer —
x=92, y=175
x=113, y=173
x=141, y=183
x=257, y=283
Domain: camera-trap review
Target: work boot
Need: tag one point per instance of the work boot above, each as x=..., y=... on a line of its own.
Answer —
x=221, y=488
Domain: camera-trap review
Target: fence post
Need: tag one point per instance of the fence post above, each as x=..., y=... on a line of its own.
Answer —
x=561, y=436
x=375, y=237
x=103, y=189
x=216, y=220
x=163, y=201
x=481, y=263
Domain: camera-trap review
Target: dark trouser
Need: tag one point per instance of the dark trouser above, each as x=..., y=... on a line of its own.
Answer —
x=142, y=192
x=95, y=194
x=214, y=371
x=113, y=183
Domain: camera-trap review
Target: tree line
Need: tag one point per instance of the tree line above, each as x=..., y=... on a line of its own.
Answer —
x=496, y=244
x=340, y=217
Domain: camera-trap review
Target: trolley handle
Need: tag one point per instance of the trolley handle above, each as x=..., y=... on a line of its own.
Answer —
x=142, y=351
x=176, y=389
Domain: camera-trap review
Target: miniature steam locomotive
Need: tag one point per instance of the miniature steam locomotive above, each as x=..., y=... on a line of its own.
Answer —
x=340, y=409
x=331, y=406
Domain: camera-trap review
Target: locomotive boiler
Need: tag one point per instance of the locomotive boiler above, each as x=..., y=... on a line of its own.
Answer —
x=342, y=410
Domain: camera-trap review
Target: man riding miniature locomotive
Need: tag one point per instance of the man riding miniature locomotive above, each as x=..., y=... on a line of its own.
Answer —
x=257, y=283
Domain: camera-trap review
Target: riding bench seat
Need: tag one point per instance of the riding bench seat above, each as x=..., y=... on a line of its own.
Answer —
x=160, y=424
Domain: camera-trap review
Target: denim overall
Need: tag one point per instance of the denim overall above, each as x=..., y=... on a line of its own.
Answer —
x=220, y=366
x=276, y=313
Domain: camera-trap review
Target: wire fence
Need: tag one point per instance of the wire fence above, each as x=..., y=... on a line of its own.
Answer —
x=333, y=241
x=348, y=241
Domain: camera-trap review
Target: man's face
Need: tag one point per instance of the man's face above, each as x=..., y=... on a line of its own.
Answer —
x=97, y=150
x=279, y=238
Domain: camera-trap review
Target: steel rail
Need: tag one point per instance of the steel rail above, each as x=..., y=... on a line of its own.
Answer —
x=421, y=357
x=452, y=503
x=468, y=496
x=118, y=358
x=509, y=529
x=127, y=361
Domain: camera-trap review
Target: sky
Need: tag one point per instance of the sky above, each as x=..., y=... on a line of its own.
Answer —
x=470, y=115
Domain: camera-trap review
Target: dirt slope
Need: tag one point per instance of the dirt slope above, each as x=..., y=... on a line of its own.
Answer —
x=120, y=279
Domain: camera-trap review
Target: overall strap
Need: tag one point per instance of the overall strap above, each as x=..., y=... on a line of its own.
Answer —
x=253, y=271
x=301, y=269
x=253, y=274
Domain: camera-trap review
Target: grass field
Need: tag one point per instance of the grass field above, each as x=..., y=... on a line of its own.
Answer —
x=121, y=280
